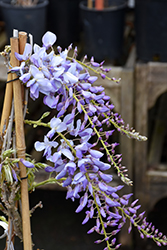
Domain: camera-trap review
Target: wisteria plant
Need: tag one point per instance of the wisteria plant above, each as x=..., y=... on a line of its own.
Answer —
x=77, y=144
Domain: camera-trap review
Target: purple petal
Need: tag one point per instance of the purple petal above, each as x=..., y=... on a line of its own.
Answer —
x=26, y=54
x=18, y=56
x=50, y=101
x=14, y=175
x=79, y=107
x=76, y=190
x=61, y=127
x=56, y=156
x=67, y=182
x=78, y=178
x=134, y=202
x=86, y=219
x=115, y=196
x=86, y=94
x=85, y=199
x=102, y=186
x=111, y=190
x=92, y=79
x=49, y=169
x=111, y=203
x=102, y=212
x=97, y=241
x=92, y=108
x=132, y=210
x=61, y=174
x=96, y=153
x=70, y=78
x=123, y=201
x=102, y=166
x=67, y=153
x=115, y=216
x=51, y=133
x=39, y=146
x=54, y=122
x=27, y=51
x=91, y=230
x=91, y=212
x=48, y=39
x=106, y=177
x=90, y=188
x=61, y=112
x=130, y=228
x=27, y=163
x=98, y=200
x=25, y=77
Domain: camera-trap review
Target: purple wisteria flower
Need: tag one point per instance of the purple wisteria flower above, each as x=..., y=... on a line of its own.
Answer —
x=56, y=126
x=46, y=146
x=49, y=39
x=38, y=83
x=27, y=163
x=78, y=144
x=26, y=54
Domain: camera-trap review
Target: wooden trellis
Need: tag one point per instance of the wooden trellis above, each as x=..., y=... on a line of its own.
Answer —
x=14, y=93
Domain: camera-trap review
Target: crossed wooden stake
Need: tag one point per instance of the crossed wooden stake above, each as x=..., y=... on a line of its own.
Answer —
x=14, y=91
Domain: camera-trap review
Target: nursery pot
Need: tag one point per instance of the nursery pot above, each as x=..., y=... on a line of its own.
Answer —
x=29, y=19
x=151, y=33
x=63, y=20
x=103, y=30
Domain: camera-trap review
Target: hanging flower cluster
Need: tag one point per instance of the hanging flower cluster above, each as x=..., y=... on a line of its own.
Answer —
x=77, y=143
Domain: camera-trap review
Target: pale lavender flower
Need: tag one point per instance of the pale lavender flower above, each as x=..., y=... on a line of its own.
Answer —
x=49, y=39
x=39, y=83
x=46, y=145
x=51, y=101
x=63, y=149
x=56, y=126
x=26, y=54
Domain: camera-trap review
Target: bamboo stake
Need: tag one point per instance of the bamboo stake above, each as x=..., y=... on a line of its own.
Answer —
x=90, y=3
x=6, y=105
x=20, y=145
x=22, y=42
x=99, y=4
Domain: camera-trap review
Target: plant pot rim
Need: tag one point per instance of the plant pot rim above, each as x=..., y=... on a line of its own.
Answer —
x=7, y=4
x=122, y=4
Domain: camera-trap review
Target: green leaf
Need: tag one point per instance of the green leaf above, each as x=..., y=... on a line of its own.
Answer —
x=8, y=153
x=2, y=218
